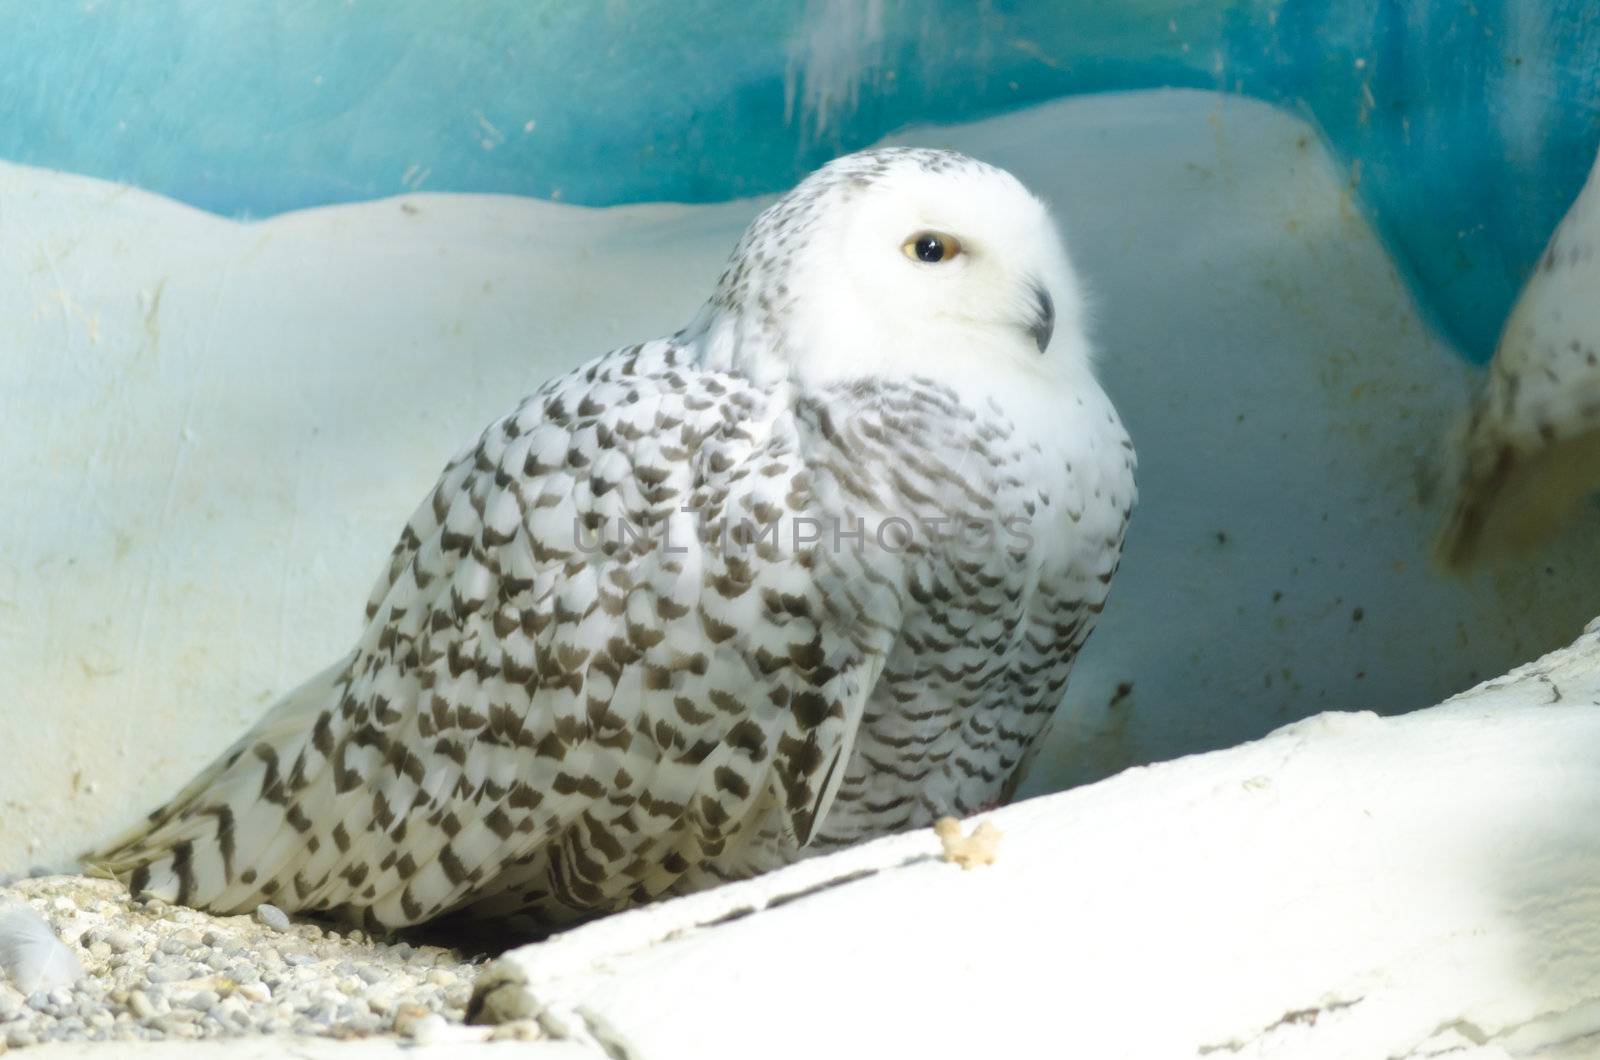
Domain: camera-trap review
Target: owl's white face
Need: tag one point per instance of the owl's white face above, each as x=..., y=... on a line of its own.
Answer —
x=899, y=263
x=941, y=274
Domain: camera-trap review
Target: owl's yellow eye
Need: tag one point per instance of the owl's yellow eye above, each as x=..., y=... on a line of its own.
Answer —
x=931, y=247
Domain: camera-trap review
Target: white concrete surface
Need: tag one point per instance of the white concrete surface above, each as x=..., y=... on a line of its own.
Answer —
x=1349, y=887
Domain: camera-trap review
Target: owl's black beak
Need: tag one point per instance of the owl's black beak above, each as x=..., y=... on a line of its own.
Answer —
x=1044, y=316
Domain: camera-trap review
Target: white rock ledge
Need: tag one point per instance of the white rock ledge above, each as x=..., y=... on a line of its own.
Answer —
x=1348, y=887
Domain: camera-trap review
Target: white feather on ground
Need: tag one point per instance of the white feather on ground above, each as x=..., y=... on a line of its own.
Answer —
x=30, y=954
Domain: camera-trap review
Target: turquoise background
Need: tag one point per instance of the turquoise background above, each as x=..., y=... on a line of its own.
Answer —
x=1471, y=124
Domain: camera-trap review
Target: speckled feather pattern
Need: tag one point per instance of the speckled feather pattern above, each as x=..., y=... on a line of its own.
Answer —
x=683, y=616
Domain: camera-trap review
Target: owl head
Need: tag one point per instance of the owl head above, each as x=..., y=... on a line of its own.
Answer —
x=901, y=262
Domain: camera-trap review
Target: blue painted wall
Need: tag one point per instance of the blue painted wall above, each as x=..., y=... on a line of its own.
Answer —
x=1468, y=126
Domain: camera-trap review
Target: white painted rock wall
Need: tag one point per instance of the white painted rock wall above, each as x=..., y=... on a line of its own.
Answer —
x=1349, y=887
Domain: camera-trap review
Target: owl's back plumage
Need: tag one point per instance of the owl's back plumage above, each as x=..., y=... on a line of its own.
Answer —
x=691, y=611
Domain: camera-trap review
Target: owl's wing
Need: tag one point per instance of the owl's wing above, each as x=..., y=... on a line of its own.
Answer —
x=569, y=685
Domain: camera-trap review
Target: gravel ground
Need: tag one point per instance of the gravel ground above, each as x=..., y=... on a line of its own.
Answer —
x=155, y=971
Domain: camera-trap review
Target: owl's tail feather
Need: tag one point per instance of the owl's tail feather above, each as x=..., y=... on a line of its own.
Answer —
x=1517, y=500
x=224, y=843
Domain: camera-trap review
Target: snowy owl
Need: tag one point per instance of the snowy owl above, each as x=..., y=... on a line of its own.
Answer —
x=811, y=570
x=1530, y=449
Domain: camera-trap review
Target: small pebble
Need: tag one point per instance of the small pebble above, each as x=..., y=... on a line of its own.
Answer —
x=515, y=1031
x=429, y=1029
x=168, y=1024
x=140, y=1005
x=234, y=1011
x=169, y=973
x=255, y=992
x=273, y=917
x=203, y=1000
